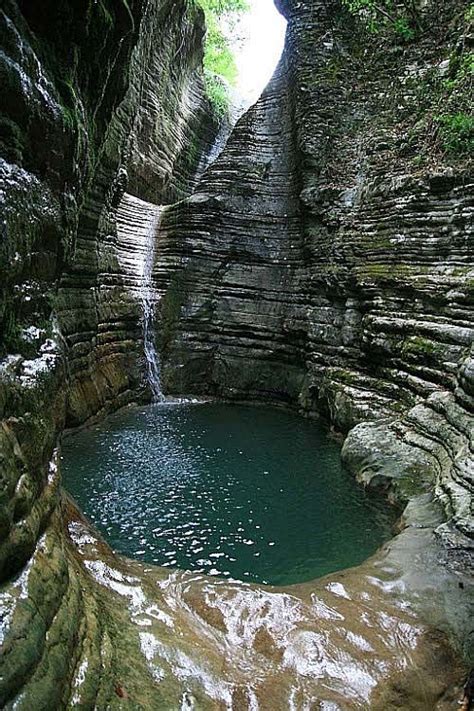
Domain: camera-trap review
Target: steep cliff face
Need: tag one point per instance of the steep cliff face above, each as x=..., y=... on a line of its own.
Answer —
x=117, y=103
x=97, y=98
x=327, y=255
x=153, y=147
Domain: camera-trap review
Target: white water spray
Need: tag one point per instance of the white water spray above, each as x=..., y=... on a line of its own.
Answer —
x=148, y=299
x=138, y=225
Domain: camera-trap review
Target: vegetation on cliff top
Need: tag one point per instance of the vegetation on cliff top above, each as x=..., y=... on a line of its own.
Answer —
x=448, y=120
x=401, y=17
x=219, y=63
x=442, y=122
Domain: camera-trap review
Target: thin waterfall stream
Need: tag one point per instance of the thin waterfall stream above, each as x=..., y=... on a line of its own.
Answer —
x=148, y=300
x=144, y=229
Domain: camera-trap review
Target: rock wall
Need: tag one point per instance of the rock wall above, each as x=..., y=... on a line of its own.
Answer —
x=326, y=257
x=97, y=97
x=153, y=148
x=319, y=263
x=136, y=118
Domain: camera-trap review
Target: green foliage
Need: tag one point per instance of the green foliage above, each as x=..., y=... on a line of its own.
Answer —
x=469, y=14
x=399, y=17
x=14, y=339
x=403, y=28
x=217, y=92
x=10, y=332
x=219, y=63
x=218, y=57
x=453, y=117
x=457, y=132
x=439, y=107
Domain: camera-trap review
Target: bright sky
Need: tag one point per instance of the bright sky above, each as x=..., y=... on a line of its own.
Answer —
x=263, y=29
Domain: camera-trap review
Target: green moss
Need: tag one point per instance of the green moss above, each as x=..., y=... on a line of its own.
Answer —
x=410, y=484
x=419, y=345
x=420, y=160
x=334, y=69
x=69, y=106
x=347, y=377
x=385, y=271
x=457, y=133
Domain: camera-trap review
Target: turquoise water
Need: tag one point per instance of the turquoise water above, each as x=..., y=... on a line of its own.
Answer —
x=250, y=493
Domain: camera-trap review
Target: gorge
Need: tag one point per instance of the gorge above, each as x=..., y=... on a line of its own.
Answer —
x=322, y=263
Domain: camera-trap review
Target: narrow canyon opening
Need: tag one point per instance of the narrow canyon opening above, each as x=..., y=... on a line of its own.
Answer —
x=252, y=494
x=258, y=45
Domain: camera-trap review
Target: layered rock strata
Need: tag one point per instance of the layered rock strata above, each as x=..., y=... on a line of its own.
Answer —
x=327, y=262
x=319, y=263
x=96, y=98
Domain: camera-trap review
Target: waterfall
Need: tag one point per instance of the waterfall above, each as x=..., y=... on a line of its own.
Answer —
x=138, y=224
x=148, y=300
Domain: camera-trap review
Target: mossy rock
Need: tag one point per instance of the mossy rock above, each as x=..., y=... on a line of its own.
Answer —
x=12, y=140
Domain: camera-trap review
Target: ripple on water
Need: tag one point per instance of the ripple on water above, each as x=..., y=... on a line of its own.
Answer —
x=254, y=494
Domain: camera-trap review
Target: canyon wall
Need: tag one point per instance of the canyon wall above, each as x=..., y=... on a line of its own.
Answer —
x=322, y=262
x=326, y=257
x=98, y=98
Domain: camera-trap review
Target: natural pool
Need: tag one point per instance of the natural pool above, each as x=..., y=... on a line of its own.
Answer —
x=252, y=493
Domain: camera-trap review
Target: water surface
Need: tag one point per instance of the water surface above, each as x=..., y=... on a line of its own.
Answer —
x=251, y=493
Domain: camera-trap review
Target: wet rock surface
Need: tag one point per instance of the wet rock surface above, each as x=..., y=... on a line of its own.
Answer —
x=325, y=267
x=88, y=111
x=318, y=263
x=351, y=640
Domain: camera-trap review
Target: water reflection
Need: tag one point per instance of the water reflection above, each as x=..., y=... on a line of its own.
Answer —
x=246, y=493
x=351, y=641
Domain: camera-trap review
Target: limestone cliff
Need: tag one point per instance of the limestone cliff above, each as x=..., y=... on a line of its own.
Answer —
x=328, y=255
x=97, y=98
